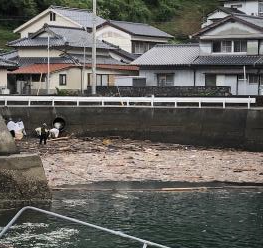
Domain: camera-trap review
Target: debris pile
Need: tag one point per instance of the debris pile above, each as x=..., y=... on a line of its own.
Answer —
x=74, y=161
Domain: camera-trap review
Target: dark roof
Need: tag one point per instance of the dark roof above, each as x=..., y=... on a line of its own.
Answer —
x=230, y=10
x=106, y=59
x=240, y=60
x=73, y=37
x=166, y=55
x=80, y=16
x=141, y=29
x=84, y=18
x=7, y=63
x=251, y=21
x=24, y=61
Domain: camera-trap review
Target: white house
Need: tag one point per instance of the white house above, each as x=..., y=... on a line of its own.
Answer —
x=131, y=37
x=229, y=53
x=246, y=7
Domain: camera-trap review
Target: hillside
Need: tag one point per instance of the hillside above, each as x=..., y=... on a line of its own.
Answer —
x=177, y=17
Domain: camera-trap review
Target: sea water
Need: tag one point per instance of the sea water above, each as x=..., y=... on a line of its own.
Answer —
x=212, y=219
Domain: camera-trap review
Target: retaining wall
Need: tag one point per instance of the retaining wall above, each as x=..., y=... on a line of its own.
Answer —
x=237, y=128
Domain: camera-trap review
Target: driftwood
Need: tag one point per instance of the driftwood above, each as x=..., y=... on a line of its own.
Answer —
x=58, y=139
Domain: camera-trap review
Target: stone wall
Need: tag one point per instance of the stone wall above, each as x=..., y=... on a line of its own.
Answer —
x=174, y=91
x=22, y=177
x=237, y=128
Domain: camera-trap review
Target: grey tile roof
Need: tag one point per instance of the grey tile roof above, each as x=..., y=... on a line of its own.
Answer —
x=71, y=36
x=230, y=10
x=24, y=61
x=228, y=60
x=11, y=55
x=141, y=29
x=169, y=55
x=81, y=16
x=104, y=60
x=254, y=20
x=7, y=63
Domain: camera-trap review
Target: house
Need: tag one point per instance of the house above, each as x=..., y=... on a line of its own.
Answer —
x=69, y=67
x=130, y=37
x=5, y=65
x=229, y=53
x=246, y=7
x=169, y=65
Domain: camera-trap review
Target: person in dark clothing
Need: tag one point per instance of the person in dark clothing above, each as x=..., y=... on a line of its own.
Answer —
x=44, y=134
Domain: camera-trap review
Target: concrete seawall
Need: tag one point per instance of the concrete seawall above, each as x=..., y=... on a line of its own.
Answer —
x=237, y=128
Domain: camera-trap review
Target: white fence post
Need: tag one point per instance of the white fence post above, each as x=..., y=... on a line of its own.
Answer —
x=152, y=101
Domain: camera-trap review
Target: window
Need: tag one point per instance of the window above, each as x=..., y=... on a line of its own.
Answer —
x=216, y=46
x=139, y=47
x=228, y=46
x=62, y=79
x=240, y=46
x=210, y=80
x=52, y=17
x=165, y=80
x=102, y=79
x=260, y=8
x=251, y=78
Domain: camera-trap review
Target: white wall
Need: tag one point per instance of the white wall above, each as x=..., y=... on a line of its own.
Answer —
x=248, y=7
x=214, y=16
x=3, y=78
x=232, y=30
x=182, y=77
x=38, y=24
x=116, y=37
x=37, y=52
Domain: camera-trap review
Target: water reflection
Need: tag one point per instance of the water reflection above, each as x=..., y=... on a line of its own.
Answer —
x=193, y=219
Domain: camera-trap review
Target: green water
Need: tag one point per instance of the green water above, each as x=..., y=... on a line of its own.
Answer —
x=216, y=219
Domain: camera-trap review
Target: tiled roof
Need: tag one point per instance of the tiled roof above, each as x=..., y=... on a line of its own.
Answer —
x=230, y=10
x=228, y=60
x=73, y=37
x=7, y=63
x=81, y=16
x=254, y=20
x=141, y=29
x=40, y=68
x=169, y=55
x=24, y=61
x=107, y=59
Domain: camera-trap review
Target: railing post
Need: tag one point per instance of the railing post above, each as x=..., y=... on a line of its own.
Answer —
x=144, y=245
x=102, y=103
x=175, y=104
x=53, y=102
x=152, y=101
x=224, y=104
x=5, y=101
x=29, y=102
x=249, y=103
x=200, y=103
x=128, y=103
x=77, y=103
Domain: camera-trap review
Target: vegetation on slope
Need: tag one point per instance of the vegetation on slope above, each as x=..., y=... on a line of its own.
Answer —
x=177, y=17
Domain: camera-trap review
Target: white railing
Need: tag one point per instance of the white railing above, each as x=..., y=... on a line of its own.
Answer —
x=144, y=242
x=121, y=101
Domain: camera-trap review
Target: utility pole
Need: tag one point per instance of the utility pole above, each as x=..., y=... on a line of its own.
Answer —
x=48, y=63
x=94, y=27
